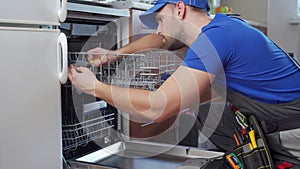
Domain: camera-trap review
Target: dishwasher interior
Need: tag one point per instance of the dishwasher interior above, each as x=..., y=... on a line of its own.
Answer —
x=93, y=136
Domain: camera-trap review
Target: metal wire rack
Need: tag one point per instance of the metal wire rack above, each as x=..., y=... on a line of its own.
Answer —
x=95, y=122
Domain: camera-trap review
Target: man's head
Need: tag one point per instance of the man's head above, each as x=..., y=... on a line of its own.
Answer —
x=148, y=18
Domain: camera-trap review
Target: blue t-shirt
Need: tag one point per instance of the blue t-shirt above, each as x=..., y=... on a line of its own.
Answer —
x=250, y=62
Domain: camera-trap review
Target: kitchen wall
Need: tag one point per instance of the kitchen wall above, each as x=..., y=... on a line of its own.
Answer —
x=280, y=28
x=275, y=15
x=253, y=10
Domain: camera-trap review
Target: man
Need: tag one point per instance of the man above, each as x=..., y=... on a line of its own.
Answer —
x=224, y=53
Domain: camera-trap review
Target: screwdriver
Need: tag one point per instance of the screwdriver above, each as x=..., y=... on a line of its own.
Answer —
x=252, y=138
x=237, y=136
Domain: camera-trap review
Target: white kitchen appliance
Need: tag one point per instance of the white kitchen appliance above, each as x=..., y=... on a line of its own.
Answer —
x=33, y=66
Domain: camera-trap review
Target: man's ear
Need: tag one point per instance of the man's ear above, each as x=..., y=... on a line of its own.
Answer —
x=180, y=9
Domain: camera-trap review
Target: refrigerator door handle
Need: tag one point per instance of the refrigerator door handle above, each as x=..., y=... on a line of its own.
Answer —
x=62, y=58
x=62, y=10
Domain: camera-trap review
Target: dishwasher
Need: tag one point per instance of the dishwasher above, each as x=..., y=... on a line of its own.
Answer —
x=93, y=134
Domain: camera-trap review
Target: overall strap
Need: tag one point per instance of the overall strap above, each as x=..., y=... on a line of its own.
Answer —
x=287, y=123
x=296, y=63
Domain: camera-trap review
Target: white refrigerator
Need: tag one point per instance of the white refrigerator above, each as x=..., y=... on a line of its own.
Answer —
x=32, y=67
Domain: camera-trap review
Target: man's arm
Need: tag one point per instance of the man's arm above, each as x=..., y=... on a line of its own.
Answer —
x=149, y=41
x=183, y=89
x=99, y=55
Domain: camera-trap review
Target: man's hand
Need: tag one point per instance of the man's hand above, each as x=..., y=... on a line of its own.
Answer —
x=83, y=79
x=99, y=56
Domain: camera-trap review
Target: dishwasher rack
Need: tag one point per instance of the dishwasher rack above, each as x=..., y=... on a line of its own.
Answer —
x=145, y=70
x=96, y=123
x=95, y=120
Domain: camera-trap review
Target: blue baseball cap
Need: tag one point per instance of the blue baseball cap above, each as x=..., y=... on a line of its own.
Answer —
x=148, y=18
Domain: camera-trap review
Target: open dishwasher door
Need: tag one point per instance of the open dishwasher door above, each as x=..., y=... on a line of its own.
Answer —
x=145, y=155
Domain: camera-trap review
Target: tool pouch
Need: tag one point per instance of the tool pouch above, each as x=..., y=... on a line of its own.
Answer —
x=249, y=156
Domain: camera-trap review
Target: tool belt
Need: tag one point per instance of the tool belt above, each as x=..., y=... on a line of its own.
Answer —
x=252, y=151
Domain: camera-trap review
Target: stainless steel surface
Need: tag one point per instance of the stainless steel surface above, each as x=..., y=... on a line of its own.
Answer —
x=30, y=12
x=143, y=155
x=101, y=2
x=30, y=118
x=131, y=4
x=97, y=9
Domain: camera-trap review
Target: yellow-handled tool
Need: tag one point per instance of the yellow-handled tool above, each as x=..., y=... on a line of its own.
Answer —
x=252, y=139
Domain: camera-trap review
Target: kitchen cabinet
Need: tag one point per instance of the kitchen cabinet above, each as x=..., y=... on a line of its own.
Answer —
x=137, y=28
x=153, y=131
